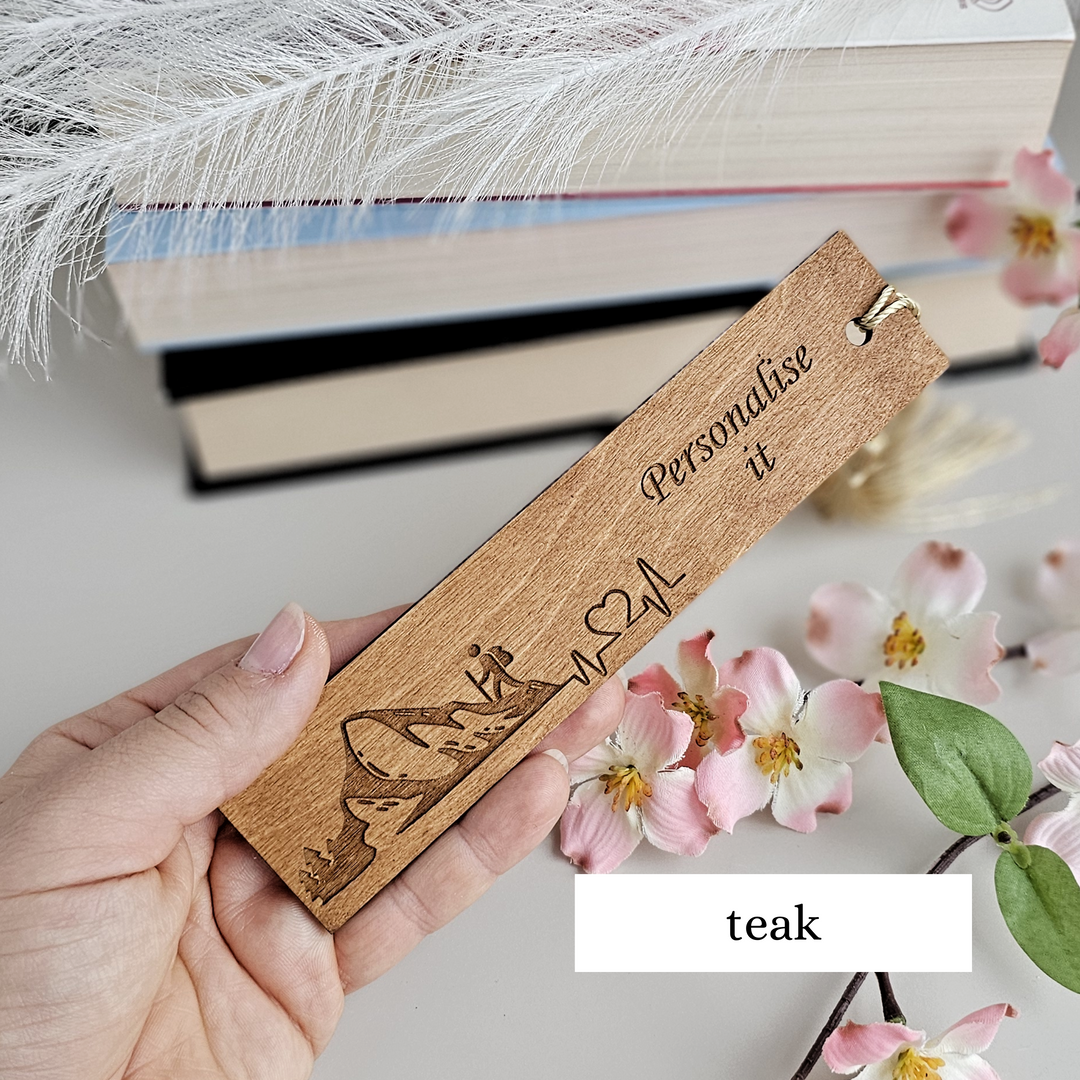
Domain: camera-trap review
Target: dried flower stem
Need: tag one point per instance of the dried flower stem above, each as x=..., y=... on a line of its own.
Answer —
x=1015, y=652
x=946, y=859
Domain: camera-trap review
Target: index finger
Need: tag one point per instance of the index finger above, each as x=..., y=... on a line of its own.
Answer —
x=346, y=637
x=89, y=729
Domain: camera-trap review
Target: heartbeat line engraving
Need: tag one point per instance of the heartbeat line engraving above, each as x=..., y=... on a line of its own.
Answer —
x=623, y=616
x=399, y=763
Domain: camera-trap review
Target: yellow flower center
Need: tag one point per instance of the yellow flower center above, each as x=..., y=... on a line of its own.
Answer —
x=778, y=754
x=905, y=644
x=1034, y=235
x=698, y=711
x=628, y=785
x=913, y=1066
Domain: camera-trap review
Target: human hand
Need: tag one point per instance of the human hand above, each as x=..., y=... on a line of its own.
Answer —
x=140, y=935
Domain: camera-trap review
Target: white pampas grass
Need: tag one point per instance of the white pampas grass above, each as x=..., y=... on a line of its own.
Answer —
x=224, y=100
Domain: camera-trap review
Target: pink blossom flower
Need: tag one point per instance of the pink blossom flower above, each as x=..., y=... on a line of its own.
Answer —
x=896, y=1052
x=925, y=633
x=797, y=745
x=1063, y=341
x=1033, y=227
x=1060, y=831
x=714, y=709
x=628, y=787
x=1057, y=651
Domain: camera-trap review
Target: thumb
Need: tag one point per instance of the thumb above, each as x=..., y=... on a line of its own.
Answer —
x=124, y=805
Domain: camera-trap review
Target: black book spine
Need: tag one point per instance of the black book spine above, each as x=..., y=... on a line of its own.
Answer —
x=193, y=372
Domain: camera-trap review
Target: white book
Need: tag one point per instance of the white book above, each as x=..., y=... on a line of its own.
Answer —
x=577, y=381
x=922, y=92
x=223, y=298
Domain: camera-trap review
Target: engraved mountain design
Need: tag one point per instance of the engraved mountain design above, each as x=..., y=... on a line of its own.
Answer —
x=401, y=762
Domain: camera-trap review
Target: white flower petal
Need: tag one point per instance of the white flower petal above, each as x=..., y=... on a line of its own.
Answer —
x=1056, y=653
x=960, y=655
x=966, y=1067
x=597, y=761
x=673, y=816
x=852, y=1046
x=973, y=1033
x=918, y=678
x=1059, y=581
x=1060, y=832
x=650, y=736
x=821, y=786
x=1041, y=185
x=840, y=721
x=940, y=580
x=1062, y=767
x=732, y=786
x=696, y=668
x=656, y=679
x=879, y=1070
x=766, y=678
x=847, y=628
x=594, y=836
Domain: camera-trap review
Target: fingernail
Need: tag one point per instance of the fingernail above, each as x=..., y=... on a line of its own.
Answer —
x=559, y=756
x=276, y=647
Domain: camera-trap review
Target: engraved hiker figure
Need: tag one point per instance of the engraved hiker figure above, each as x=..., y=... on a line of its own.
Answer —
x=493, y=664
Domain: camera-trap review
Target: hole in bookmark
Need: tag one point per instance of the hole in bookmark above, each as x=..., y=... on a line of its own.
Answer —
x=857, y=334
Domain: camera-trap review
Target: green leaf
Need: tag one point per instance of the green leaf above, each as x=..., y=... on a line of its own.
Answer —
x=1041, y=906
x=968, y=767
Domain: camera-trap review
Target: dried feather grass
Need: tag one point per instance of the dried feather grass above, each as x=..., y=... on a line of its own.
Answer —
x=926, y=449
x=221, y=98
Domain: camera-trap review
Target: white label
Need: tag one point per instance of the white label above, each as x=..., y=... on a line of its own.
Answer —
x=773, y=922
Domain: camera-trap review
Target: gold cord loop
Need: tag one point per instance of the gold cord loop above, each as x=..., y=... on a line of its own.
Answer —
x=888, y=303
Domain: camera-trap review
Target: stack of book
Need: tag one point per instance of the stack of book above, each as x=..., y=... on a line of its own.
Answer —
x=323, y=334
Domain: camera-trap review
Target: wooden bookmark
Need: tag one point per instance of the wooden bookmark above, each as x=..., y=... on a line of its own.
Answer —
x=469, y=680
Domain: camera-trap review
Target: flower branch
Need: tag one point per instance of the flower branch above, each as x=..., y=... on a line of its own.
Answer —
x=944, y=861
x=961, y=844
x=693, y=755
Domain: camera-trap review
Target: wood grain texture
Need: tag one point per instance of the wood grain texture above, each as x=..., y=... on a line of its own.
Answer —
x=449, y=698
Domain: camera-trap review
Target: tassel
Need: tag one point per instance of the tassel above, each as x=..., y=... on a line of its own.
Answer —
x=923, y=451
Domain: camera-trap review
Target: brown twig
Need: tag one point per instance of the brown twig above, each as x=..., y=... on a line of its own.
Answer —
x=947, y=858
x=846, y=998
x=890, y=1007
x=959, y=846
x=1040, y=795
x=952, y=853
